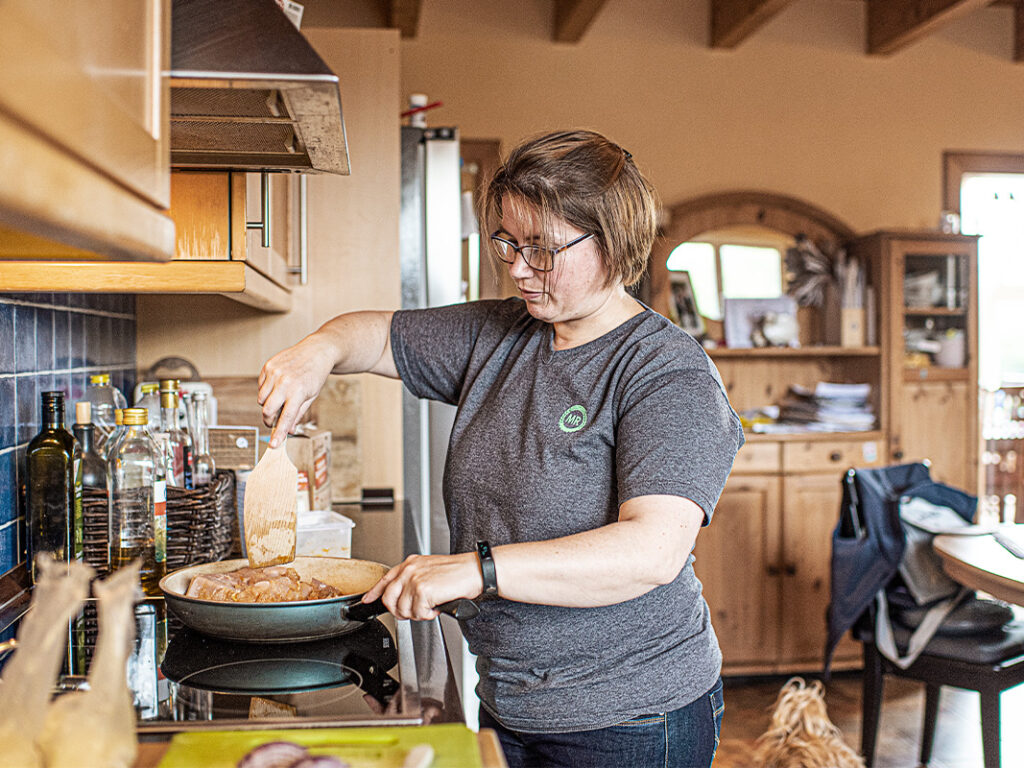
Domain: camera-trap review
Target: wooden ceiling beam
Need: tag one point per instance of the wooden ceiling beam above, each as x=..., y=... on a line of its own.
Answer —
x=405, y=15
x=1018, y=31
x=573, y=18
x=732, y=21
x=895, y=24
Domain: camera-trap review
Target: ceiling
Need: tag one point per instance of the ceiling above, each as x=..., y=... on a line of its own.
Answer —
x=891, y=25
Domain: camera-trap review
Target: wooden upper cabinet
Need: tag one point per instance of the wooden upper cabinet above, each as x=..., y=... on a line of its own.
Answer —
x=929, y=327
x=84, y=127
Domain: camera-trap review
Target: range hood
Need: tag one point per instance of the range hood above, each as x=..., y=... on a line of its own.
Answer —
x=249, y=92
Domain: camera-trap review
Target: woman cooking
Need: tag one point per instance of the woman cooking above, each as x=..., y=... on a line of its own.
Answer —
x=591, y=443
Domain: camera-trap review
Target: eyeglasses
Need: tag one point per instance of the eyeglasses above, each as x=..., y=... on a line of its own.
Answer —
x=536, y=257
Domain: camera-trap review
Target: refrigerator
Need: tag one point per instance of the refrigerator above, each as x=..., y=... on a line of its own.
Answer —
x=431, y=245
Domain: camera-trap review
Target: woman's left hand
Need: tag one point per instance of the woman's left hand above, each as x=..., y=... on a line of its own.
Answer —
x=413, y=588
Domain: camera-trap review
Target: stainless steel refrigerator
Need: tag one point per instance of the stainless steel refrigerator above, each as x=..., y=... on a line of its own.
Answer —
x=431, y=234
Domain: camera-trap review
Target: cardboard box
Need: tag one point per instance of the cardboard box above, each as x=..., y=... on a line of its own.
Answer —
x=234, y=447
x=310, y=452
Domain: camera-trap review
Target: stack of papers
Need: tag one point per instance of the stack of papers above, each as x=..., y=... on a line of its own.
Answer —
x=829, y=407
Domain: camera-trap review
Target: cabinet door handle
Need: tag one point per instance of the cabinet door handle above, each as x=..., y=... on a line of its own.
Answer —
x=774, y=570
x=303, y=269
x=897, y=455
x=789, y=569
x=264, y=223
x=835, y=456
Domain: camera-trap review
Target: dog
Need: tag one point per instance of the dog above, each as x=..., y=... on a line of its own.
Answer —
x=801, y=735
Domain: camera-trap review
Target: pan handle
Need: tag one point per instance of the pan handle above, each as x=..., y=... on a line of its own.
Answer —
x=461, y=609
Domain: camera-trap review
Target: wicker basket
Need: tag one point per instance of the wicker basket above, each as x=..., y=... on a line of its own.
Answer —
x=202, y=525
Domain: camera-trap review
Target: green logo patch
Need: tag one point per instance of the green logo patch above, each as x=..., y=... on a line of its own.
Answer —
x=574, y=419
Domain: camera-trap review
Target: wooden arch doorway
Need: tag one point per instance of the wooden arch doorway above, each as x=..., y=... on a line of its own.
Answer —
x=693, y=217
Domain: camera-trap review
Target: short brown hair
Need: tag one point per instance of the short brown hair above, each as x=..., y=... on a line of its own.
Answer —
x=588, y=181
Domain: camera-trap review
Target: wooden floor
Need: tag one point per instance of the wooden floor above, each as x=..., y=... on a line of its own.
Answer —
x=748, y=704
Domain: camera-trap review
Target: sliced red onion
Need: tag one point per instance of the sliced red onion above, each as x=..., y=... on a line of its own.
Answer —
x=320, y=761
x=274, y=754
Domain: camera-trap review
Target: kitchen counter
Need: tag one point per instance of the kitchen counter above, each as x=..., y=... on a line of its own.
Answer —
x=385, y=534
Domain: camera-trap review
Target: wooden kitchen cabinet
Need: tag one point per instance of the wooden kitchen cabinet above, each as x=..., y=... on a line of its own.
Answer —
x=733, y=556
x=215, y=251
x=84, y=125
x=764, y=561
x=929, y=290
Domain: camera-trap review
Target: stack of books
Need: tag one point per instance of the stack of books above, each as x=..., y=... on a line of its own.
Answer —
x=829, y=407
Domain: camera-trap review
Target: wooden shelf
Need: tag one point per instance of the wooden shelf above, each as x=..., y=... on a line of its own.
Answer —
x=934, y=312
x=815, y=351
x=811, y=437
x=936, y=374
x=235, y=279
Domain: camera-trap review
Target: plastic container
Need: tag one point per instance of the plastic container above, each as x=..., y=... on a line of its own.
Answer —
x=324, y=533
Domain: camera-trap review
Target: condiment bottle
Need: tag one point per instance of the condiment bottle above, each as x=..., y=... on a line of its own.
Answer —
x=138, y=502
x=94, y=466
x=54, y=487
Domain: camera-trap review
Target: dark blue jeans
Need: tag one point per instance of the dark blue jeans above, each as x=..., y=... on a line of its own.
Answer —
x=685, y=738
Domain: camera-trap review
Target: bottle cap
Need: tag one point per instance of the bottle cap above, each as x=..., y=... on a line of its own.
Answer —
x=99, y=378
x=168, y=399
x=148, y=388
x=168, y=385
x=135, y=417
x=53, y=398
x=83, y=412
x=119, y=417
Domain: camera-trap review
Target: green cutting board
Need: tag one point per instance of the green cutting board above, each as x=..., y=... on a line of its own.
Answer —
x=455, y=746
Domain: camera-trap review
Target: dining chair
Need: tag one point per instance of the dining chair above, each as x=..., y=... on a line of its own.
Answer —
x=968, y=651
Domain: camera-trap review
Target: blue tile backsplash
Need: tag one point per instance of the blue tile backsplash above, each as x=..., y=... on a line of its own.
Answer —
x=52, y=341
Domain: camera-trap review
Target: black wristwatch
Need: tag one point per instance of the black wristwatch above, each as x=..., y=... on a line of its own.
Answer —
x=483, y=550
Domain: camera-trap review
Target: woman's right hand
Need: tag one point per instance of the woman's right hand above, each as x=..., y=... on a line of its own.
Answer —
x=291, y=380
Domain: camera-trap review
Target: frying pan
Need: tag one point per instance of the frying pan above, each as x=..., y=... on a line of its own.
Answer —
x=295, y=621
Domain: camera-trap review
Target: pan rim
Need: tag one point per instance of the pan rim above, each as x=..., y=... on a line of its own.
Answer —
x=180, y=596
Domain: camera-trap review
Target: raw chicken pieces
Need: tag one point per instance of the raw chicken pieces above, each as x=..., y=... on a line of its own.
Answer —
x=274, y=584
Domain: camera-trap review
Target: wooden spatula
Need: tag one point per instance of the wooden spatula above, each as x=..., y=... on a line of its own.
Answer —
x=269, y=510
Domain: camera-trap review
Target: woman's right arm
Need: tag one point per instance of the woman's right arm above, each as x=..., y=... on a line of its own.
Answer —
x=356, y=342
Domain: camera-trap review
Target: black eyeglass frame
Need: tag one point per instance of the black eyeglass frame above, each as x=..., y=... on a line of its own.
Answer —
x=519, y=249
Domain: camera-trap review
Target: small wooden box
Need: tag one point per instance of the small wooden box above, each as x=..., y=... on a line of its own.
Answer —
x=234, y=447
x=852, y=328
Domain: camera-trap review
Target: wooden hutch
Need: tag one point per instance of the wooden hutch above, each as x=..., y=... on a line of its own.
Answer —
x=764, y=562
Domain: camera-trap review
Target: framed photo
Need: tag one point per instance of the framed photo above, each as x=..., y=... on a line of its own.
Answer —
x=745, y=320
x=684, y=306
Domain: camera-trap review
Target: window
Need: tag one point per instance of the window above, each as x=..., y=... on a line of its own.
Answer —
x=733, y=264
x=992, y=205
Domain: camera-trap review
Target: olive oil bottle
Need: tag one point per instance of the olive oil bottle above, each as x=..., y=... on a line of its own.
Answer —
x=54, y=487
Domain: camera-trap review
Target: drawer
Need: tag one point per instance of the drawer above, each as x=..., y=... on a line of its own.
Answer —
x=757, y=458
x=823, y=456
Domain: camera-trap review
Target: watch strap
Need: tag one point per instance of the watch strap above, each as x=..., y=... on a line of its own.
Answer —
x=487, y=569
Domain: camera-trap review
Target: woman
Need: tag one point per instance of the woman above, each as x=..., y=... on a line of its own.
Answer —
x=592, y=441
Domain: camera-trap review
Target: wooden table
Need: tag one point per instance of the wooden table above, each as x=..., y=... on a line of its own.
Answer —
x=982, y=563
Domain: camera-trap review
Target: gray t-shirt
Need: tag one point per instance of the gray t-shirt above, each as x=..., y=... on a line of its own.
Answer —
x=548, y=443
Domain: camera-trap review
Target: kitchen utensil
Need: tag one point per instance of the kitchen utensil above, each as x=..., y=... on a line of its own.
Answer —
x=291, y=621
x=269, y=509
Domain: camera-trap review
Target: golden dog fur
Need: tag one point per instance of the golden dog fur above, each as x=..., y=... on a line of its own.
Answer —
x=801, y=735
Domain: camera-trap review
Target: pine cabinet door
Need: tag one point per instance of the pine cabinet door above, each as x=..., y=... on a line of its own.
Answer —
x=91, y=78
x=812, y=509
x=735, y=556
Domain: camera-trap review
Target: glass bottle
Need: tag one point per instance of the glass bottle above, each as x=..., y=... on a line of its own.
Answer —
x=180, y=466
x=203, y=467
x=150, y=400
x=54, y=487
x=138, y=503
x=94, y=466
x=105, y=399
x=172, y=385
x=110, y=444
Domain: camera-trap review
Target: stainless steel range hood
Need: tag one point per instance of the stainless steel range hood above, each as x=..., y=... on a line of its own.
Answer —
x=249, y=92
